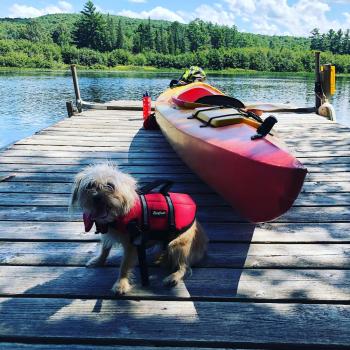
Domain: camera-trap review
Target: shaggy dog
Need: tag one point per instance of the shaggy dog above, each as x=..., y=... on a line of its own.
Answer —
x=105, y=193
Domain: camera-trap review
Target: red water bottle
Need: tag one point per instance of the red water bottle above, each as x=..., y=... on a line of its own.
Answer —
x=146, y=105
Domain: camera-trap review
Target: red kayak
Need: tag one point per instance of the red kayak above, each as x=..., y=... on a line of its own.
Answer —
x=259, y=177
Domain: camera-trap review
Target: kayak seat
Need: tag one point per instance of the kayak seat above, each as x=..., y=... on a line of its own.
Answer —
x=192, y=95
x=217, y=117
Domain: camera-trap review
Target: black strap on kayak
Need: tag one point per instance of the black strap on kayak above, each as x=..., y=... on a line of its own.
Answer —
x=195, y=115
x=265, y=127
x=246, y=114
x=208, y=123
x=221, y=100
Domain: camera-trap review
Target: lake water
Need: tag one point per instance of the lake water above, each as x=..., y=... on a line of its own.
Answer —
x=32, y=101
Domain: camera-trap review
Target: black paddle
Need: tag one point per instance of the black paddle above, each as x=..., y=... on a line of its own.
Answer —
x=220, y=100
x=227, y=101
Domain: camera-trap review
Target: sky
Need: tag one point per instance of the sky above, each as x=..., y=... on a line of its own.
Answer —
x=273, y=17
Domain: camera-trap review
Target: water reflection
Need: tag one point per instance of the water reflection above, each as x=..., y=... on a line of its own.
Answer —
x=30, y=101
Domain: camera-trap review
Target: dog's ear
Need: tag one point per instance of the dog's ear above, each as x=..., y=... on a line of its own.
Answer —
x=75, y=190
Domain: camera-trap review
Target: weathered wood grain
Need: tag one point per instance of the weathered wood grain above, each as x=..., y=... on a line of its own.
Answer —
x=74, y=169
x=249, y=284
x=141, y=166
x=191, y=188
x=165, y=148
x=204, y=200
x=36, y=346
x=139, y=154
x=198, y=322
x=299, y=146
x=235, y=255
x=327, y=162
x=217, y=232
x=58, y=162
x=188, y=177
x=205, y=214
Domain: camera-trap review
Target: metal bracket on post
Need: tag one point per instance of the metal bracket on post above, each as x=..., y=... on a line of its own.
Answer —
x=76, y=87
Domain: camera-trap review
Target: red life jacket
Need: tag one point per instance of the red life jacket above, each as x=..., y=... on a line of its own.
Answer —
x=155, y=213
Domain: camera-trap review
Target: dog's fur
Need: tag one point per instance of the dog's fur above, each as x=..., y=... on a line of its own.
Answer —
x=106, y=193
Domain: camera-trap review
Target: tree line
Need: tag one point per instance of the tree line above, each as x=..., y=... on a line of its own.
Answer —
x=335, y=42
x=96, y=40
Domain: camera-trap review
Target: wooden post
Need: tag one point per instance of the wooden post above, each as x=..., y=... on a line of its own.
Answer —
x=318, y=83
x=70, y=109
x=76, y=86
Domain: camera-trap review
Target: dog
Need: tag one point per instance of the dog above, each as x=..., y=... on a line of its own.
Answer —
x=106, y=193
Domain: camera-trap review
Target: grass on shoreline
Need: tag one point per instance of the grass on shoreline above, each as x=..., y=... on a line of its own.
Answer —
x=149, y=69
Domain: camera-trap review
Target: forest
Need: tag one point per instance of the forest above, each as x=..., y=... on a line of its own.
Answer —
x=99, y=41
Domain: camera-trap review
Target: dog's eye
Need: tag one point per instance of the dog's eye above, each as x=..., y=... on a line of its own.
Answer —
x=90, y=185
x=110, y=186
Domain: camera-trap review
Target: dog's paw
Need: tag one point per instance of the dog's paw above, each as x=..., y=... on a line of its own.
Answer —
x=95, y=262
x=171, y=280
x=121, y=287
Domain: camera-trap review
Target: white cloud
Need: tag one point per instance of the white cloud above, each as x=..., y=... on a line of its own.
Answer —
x=273, y=17
x=214, y=14
x=158, y=12
x=24, y=11
x=278, y=17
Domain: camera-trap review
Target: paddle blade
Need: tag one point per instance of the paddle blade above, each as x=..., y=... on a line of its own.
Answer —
x=220, y=100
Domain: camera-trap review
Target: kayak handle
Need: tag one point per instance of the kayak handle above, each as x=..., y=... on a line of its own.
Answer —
x=265, y=127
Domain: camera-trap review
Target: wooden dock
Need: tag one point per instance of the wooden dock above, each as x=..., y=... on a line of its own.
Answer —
x=279, y=285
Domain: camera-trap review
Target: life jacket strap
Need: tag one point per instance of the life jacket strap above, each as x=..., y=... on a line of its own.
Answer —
x=171, y=214
x=145, y=223
x=139, y=238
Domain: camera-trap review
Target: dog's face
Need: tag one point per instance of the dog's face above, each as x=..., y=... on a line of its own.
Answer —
x=104, y=192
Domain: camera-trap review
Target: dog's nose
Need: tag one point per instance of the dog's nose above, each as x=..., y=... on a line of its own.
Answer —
x=97, y=197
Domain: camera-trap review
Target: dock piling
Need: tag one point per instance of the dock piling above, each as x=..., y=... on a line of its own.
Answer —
x=70, y=108
x=318, y=86
x=76, y=87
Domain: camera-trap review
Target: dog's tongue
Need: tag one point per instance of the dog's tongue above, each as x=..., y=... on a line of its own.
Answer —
x=88, y=222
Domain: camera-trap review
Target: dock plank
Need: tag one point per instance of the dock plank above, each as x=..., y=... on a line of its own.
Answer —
x=234, y=255
x=204, y=200
x=228, y=283
x=192, y=188
x=223, y=323
x=205, y=214
x=217, y=232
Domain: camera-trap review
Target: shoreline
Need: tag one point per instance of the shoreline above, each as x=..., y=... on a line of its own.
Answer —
x=149, y=69
x=152, y=70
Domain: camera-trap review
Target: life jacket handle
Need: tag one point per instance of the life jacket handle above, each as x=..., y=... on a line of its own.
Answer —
x=165, y=186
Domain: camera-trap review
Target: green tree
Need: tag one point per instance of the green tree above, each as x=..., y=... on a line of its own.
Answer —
x=346, y=43
x=315, y=38
x=91, y=29
x=62, y=35
x=35, y=32
x=120, y=36
x=198, y=35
